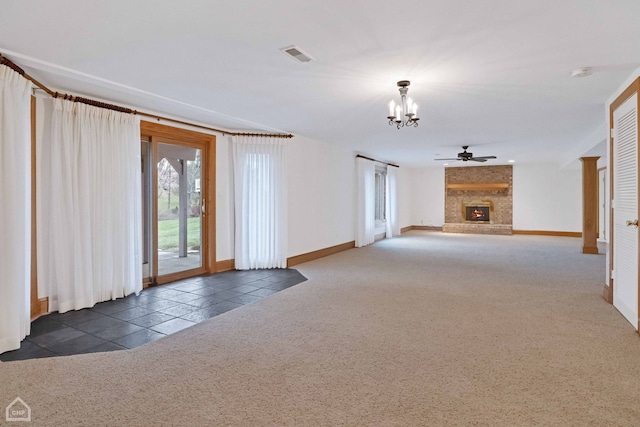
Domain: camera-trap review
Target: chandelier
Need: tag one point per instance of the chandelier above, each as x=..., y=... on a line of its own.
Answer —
x=406, y=112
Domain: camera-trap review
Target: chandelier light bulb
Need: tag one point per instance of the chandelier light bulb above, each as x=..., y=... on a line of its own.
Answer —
x=391, y=108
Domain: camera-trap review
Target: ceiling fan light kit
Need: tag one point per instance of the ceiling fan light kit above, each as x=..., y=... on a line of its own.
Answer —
x=466, y=156
x=406, y=112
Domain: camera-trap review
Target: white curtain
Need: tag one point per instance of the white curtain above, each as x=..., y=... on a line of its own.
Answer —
x=15, y=205
x=260, y=203
x=366, y=215
x=392, y=224
x=89, y=206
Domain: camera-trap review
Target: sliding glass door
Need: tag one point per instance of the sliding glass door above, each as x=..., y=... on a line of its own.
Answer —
x=175, y=191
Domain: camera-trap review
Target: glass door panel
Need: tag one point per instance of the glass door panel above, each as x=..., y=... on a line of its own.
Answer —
x=179, y=202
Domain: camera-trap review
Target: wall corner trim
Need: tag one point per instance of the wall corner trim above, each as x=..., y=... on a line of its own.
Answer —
x=40, y=307
x=421, y=227
x=548, y=233
x=321, y=253
x=607, y=295
x=225, y=265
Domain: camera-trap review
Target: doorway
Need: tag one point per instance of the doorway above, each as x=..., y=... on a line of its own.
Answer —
x=178, y=170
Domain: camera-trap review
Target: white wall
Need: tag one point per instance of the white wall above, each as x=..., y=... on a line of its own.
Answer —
x=547, y=198
x=322, y=194
x=427, y=193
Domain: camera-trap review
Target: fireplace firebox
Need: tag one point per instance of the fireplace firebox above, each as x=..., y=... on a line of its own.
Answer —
x=477, y=213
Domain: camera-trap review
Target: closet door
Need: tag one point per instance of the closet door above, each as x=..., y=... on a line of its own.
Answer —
x=625, y=209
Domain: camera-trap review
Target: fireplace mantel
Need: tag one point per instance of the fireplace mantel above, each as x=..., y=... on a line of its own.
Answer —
x=478, y=187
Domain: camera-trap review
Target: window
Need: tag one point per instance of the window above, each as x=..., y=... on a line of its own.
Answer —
x=381, y=191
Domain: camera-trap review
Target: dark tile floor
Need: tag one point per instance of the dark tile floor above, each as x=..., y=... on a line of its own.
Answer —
x=157, y=312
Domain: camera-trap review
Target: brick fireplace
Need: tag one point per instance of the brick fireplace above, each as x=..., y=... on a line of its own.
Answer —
x=479, y=200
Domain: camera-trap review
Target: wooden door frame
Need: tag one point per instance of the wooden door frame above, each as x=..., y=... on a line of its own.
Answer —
x=633, y=88
x=156, y=132
x=39, y=306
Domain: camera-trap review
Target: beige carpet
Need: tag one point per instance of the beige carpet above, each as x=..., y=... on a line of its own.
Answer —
x=428, y=329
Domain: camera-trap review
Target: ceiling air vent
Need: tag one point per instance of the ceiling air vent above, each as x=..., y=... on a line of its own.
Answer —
x=297, y=54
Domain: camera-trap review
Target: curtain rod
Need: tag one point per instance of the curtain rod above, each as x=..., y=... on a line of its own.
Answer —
x=9, y=63
x=374, y=160
x=6, y=61
x=224, y=132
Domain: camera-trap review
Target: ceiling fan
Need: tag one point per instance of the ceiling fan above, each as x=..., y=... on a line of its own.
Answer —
x=465, y=157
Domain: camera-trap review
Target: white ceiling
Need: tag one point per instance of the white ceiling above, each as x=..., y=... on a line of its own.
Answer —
x=492, y=74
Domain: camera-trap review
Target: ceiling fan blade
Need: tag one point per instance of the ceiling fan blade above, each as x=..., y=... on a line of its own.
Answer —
x=485, y=157
x=477, y=159
x=448, y=159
